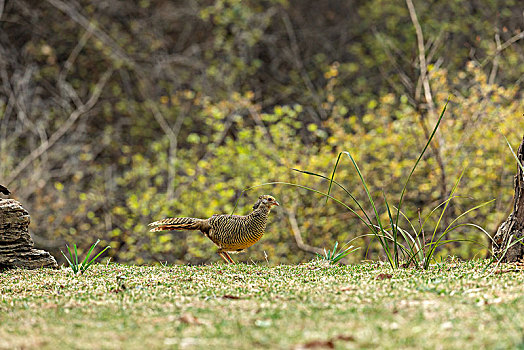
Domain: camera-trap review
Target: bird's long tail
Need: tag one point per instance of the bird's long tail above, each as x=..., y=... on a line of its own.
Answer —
x=176, y=224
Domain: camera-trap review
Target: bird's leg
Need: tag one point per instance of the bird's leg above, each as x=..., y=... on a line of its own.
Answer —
x=229, y=258
x=225, y=256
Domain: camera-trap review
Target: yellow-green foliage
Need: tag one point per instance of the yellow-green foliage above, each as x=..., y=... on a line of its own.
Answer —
x=204, y=99
x=385, y=141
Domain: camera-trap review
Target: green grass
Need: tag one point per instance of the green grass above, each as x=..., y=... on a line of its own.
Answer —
x=78, y=265
x=452, y=305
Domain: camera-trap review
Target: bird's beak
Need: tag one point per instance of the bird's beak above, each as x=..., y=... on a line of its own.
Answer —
x=276, y=203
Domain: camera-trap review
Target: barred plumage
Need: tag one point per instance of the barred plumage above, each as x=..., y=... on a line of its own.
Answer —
x=230, y=233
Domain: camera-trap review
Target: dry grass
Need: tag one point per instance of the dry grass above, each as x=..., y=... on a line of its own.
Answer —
x=453, y=305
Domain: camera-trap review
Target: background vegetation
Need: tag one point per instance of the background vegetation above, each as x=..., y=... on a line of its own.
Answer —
x=114, y=114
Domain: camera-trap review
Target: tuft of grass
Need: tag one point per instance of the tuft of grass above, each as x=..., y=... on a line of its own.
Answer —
x=80, y=266
x=334, y=256
x=401, y=247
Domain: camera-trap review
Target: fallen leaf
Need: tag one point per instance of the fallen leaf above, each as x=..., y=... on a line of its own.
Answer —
x=345, y=337
x=189, y=319
x=500, y=272
x=228, y=296
x=317, y=344
x=384, y=276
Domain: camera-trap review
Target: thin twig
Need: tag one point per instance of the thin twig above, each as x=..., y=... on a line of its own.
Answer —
x=39, y=151
x=493, y=73
x=173, y=146
x=100, y=34
x=503, y=47
x=300, y=66
x=62, y=83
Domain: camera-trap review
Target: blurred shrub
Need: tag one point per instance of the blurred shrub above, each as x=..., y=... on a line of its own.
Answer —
x=204, y=99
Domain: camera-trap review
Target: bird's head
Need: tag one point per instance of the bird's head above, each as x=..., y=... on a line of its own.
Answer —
x=266, y=200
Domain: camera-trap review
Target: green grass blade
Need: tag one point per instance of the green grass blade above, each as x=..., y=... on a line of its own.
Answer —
x=394, y=232
x=509, y=245
x=472, y=225
x=413, y=241
x=447, y=204
x=74, y=265
x=455, y=220
x=435, y=245
x=389, y=237
x=345, y=253
x=514, y=155
x=444, y=242
x=68, y=261
x=377, y=216
x=467, y=212
x=334, y=249
x=333, y=176
x=86, y=259
x=407, y=219
x=365, y=186
x=96, y=257
x=414, y=248
x=430, y=214
x=418, y=160
x=339, y=185
x=76, y=255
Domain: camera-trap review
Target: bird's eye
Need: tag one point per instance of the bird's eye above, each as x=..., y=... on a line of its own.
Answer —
x=270, y=199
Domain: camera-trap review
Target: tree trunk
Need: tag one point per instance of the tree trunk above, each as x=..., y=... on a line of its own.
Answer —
x=16, y=245
x=514, y=224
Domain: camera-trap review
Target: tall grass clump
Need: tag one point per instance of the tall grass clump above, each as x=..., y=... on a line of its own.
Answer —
x=402, y=247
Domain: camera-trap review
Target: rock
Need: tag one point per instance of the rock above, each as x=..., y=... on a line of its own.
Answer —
x=16, y=245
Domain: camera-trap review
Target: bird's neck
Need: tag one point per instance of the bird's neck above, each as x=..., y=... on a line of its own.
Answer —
x=261, y=210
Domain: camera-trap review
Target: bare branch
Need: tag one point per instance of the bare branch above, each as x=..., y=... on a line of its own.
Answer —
x=62, y=83
x=300, y=66
x=493, y=73
x=36, y=153
x=298, y=234
x=510, y=42
x=120, y=55
x=2, y=5
x=173, y=147
x=404, y=79
x=100, y=34
x=421, y=56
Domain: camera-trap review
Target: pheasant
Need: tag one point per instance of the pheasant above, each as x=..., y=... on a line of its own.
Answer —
x=230, y=233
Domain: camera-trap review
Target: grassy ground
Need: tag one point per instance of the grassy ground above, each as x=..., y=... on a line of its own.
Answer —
x=454, y=306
